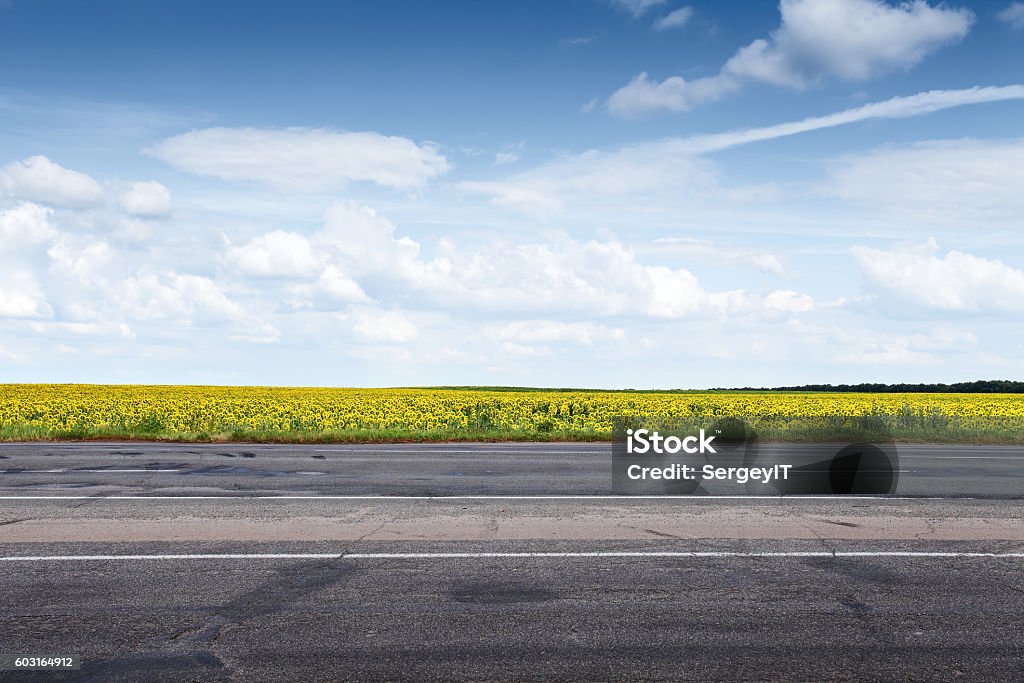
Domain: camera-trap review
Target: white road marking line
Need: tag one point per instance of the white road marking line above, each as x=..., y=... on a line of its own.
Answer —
x=491, y=497
x=510, y=555
x=96, y=471
x=101, y=471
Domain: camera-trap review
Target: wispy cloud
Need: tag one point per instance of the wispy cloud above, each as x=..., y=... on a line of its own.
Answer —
x=576, y=41
x=895, y=108
x=674, y=19
x=637, y=8
x=675, y=165
x=1013, y=15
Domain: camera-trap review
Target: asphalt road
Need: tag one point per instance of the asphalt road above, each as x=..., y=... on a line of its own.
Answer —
x=497, y=562
x=420, y=469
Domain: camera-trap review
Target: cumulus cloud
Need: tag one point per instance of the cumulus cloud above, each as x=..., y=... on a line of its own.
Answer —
x=361, y=251
x=354, y=241
x=171, y=295
x=21, y=296
x=849, y=39
x=816, y=39
x=25, y=225
x=303, y=159
x=788, y=301
x=1013, y=15
x=276, y=254
x=37, y=179
x=955, y=281
x=338, y=286
x=674, y=19
x=594, y=278
x=84, y=261
x=146, y=200
x=363, y=240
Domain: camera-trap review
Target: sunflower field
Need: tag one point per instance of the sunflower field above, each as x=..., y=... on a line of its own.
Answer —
x=203, y=413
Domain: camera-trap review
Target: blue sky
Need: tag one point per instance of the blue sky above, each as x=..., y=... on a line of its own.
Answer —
x=604, y=193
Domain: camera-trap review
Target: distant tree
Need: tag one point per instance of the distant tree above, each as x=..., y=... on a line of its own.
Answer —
x=988, y=386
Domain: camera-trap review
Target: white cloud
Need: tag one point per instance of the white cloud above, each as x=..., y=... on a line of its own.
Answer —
x=100, y=329
x=637, y=8
x=788, y=301
x=643, y=95
x=708, y=252
x=816, y=39
x=87, y=262
x=523, y=350
x=602, y=279
x=671, y=164
x=358, y=246
x=25, y=225
x=892, y=350
x=903, y=107
x=674, y=19
x=303, y=159
x=595, y=176
x=354, y=242
x=505, y=158
x=364, y=241
x=38, y=179
x=954, y=282
x=875, y=348
x=148, y=199
x=339, y=287
x=550, y=331
x=968, y=181
x=1013, y=15
x=849, y=39
x=173, y=296
x=276, y=254
x=390, y=327
x=21, y=296
x=519, y=194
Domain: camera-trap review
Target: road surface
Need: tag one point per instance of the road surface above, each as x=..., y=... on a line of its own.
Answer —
x=497, y=561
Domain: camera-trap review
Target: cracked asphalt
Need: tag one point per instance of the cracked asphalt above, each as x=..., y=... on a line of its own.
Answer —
x=247, y=562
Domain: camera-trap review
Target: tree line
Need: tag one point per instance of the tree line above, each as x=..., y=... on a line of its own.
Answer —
x=986, y=386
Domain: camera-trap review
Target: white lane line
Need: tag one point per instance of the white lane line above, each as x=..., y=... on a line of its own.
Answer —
x=100, y=471
x=655, y=553
x=96, y=471
x=509, y=555
x=492, y=497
